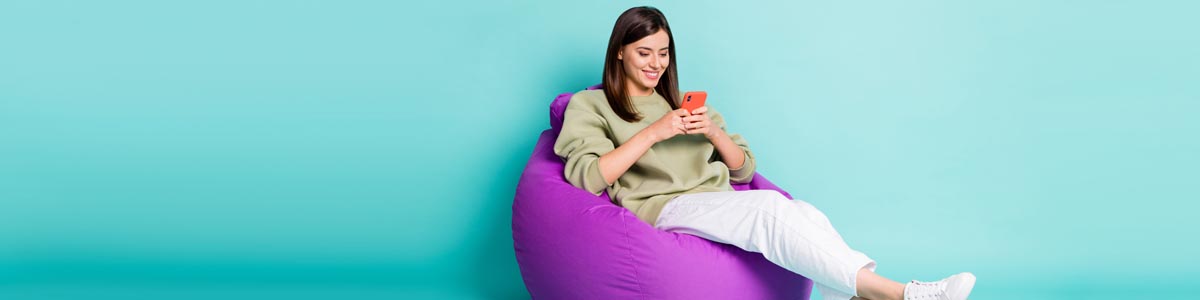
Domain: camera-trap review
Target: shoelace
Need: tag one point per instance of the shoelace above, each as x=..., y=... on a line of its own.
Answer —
x=925, y=290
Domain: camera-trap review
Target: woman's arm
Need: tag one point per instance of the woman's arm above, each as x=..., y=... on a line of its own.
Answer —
x=731, y=154
x=733, y=149
x=614, y=163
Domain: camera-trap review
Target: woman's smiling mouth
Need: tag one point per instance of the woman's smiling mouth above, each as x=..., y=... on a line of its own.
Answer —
x=652, y=75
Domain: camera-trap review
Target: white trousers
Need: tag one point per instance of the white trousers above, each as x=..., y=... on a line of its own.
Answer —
x=790, y=233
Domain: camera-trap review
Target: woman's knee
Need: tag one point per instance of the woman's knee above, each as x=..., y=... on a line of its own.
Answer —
x=776, y=201
x=769, y=199
x=767, y=194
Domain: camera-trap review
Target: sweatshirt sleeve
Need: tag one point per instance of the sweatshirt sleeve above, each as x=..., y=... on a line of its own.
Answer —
x=580, y=143
x=746, y=172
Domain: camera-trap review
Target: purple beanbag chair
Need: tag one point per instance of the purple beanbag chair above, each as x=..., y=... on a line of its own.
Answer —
x=571, y=244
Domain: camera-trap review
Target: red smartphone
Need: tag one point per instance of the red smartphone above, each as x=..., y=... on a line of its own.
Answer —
x=693, y=100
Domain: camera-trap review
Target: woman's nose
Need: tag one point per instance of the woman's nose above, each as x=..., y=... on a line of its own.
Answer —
x=655, y=63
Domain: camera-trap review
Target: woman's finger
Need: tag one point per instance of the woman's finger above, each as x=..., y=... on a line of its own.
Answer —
x=700, y=110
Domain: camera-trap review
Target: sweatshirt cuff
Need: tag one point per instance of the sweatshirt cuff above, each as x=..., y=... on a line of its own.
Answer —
x=593, y=181
x=745, y=173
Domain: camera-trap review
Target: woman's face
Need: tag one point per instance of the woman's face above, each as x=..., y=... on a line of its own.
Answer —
x=645, y=61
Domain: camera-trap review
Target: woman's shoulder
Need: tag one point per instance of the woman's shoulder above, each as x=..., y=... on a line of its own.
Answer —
x=589, y=100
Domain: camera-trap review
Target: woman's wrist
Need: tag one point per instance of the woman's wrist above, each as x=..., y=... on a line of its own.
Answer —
x=714, y=134
x=646, y=136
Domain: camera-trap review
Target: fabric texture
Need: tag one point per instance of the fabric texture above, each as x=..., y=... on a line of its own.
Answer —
x=790, y=233
x=683, y=164
x=572, y=244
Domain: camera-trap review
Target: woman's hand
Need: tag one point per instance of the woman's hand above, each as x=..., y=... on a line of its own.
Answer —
x=668, y=126
x=699, y=122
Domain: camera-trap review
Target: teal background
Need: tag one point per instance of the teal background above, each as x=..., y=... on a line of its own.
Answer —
x=370, y=149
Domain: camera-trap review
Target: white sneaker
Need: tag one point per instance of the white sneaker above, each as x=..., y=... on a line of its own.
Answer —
x=955, y=287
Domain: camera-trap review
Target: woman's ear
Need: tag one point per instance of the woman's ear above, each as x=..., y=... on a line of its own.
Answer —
x=619, y=55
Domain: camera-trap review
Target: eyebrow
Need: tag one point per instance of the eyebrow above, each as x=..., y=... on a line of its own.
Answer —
x=648, y=48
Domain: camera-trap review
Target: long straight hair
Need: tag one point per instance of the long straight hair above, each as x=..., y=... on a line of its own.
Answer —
x=633, y=25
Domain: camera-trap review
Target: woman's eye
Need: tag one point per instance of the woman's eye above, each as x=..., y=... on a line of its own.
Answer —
x=663, y=55
x=643, y=54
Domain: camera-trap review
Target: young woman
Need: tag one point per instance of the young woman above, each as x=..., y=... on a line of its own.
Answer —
x=672, y=168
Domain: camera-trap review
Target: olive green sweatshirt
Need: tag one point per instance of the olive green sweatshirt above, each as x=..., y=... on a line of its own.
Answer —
x=680, y=165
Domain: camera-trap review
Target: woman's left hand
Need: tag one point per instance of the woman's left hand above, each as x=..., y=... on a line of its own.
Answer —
x=699, y=122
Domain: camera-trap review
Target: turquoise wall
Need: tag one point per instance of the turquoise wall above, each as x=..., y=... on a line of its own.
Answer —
x=369, y=149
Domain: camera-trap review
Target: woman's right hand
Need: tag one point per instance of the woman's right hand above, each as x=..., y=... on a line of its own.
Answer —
x=668, y=126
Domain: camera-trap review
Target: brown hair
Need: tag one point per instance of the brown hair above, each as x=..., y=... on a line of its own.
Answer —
x=633, y=25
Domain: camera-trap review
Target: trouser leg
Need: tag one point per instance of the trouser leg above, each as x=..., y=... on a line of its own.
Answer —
x=790, y=233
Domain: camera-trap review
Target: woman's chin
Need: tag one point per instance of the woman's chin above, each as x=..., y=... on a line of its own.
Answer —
x=644, y=84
